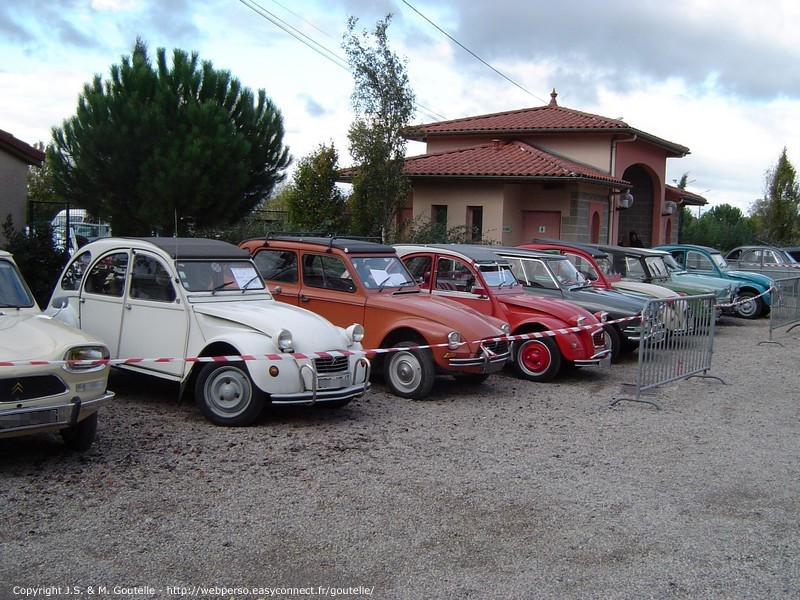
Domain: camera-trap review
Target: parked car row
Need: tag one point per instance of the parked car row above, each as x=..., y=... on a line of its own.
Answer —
x=308, y=321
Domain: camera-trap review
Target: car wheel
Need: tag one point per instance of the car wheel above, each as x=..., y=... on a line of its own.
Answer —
x=538, y=360
x=409, y=373
x=81, y=436
x=227, y=395
x=749, y=309
x=613, y=341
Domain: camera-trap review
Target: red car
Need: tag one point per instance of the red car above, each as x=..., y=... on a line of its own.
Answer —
x=481, y=279
x=353, y=281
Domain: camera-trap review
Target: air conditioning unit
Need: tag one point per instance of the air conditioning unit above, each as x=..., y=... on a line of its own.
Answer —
x=670, y=208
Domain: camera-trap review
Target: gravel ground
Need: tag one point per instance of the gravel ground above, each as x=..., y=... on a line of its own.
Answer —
x=504, y=490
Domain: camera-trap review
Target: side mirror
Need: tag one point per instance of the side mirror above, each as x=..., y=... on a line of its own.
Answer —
x=478, y=291
x=278, y=290
x=60, y=303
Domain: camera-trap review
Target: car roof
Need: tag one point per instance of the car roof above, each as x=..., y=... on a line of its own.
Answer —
x=586, y=248
x=689, y=246
x=347, y=245
x=179, y=248
x=529, y=252
x=632, y=250
x=475, y=252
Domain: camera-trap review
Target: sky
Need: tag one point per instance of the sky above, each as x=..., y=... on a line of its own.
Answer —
x=721, y=77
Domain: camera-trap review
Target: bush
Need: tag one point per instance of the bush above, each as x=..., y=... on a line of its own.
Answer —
x=37, y=257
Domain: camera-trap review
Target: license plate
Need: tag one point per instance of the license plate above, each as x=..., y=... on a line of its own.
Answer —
x=333, y=382
x=40, y=417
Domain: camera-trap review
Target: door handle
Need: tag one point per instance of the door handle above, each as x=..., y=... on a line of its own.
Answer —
x=304, y=298
x=128, y=307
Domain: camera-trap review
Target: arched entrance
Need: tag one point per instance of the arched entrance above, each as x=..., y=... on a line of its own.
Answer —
x=639, y=217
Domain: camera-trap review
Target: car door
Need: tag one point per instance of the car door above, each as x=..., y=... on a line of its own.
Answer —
x=330, y=289
x=155, y=323
x=102, y=298
x=459, y=280
x=279, y=268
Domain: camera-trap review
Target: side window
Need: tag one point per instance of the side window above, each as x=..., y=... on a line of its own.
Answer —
x=678, y=256
x=735, y=255
x=699, y=262
x=770, y=258
x=453, y=275
x=73, y=276
x=751, y=256
x=107, y=276
x=327, y=272
x=150, y=280
x=277, y=265
x=420, y=269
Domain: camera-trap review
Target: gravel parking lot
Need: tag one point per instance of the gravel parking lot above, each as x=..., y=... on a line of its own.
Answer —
x=504, y=490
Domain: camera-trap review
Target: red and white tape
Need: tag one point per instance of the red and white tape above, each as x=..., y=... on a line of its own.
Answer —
x=300, y=355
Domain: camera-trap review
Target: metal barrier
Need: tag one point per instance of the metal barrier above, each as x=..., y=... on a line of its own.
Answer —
x=785, y=309
x=684, y=352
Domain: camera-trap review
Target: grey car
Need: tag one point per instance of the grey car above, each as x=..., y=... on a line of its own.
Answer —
x=769, y=260
x=554, y=276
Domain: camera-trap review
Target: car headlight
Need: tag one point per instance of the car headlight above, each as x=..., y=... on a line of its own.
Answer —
x=453, y=340
x=579, y=321
x=355, y=333
x=85, y=353
x=284, y=341
x=506, y=328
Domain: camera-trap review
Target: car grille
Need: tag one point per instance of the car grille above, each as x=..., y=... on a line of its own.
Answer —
x=327, y=366
x=599, y=338
x=496, y=346
x=25, y=388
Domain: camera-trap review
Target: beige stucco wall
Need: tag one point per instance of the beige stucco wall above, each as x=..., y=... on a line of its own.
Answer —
x=459, y=195
x=13, y=191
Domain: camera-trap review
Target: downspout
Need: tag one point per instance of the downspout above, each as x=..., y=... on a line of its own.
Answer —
x=612, y=212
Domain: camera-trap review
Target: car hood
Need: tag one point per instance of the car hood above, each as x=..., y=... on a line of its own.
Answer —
x=645, y=289
x=764, y=280
x=450, y=313
x=566, y=311
x=310, y=332
x=26, y=336
x=713, y=283
x=617, y=305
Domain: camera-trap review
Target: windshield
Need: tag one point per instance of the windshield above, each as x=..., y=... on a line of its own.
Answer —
x=657, y=267
x=13, y=291
x=382, y=272
x=607, y=267
x=219, y=275
x=498, y=275
x=720, y=261
x=672, y=264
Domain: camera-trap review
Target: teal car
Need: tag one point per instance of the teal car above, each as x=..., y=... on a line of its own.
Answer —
x=754, y=299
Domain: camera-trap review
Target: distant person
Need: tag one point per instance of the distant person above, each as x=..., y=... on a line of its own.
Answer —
x=635, y=242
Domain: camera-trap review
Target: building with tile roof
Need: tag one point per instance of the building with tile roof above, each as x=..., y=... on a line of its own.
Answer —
x=15, y=158
x=547, y=171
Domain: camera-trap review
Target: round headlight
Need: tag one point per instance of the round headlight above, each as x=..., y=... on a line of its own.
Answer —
x=87, y=353
x=453, y=340
x=284, y=341
x=579, y=321
x=355, y=333
x=506, y=328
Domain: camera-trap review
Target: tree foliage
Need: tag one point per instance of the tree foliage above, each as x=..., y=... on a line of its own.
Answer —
x=314, y=201
x=36, y=256
x=722, y=227
x=776, y=214
x=383, y=104
x=158, y=145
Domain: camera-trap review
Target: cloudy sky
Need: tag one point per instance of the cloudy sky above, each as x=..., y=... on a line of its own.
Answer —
x=721, y=77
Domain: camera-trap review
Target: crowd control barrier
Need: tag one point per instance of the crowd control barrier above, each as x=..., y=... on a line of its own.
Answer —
x=684, y=351
x=785, y=309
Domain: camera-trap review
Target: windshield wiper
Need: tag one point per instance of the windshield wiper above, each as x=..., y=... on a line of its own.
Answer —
x=220, y=286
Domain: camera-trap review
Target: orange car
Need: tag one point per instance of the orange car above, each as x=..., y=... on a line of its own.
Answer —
x=414, y=336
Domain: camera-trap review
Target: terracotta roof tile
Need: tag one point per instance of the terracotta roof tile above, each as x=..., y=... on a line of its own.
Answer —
x=498, y=159
x=23, y=151
x=536, y=120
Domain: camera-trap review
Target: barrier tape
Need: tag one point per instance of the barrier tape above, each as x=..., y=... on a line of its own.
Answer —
x=750, y=299
x=336, y=353
x=300, y=355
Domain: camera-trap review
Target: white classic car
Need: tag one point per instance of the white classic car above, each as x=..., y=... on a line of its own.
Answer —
x=52, y=376
x=196, y=311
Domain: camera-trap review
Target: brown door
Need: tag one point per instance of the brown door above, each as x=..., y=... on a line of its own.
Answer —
x=541, y=224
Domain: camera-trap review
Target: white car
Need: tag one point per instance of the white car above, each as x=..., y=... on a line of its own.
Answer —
x=196, y=311
x=52, y=376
